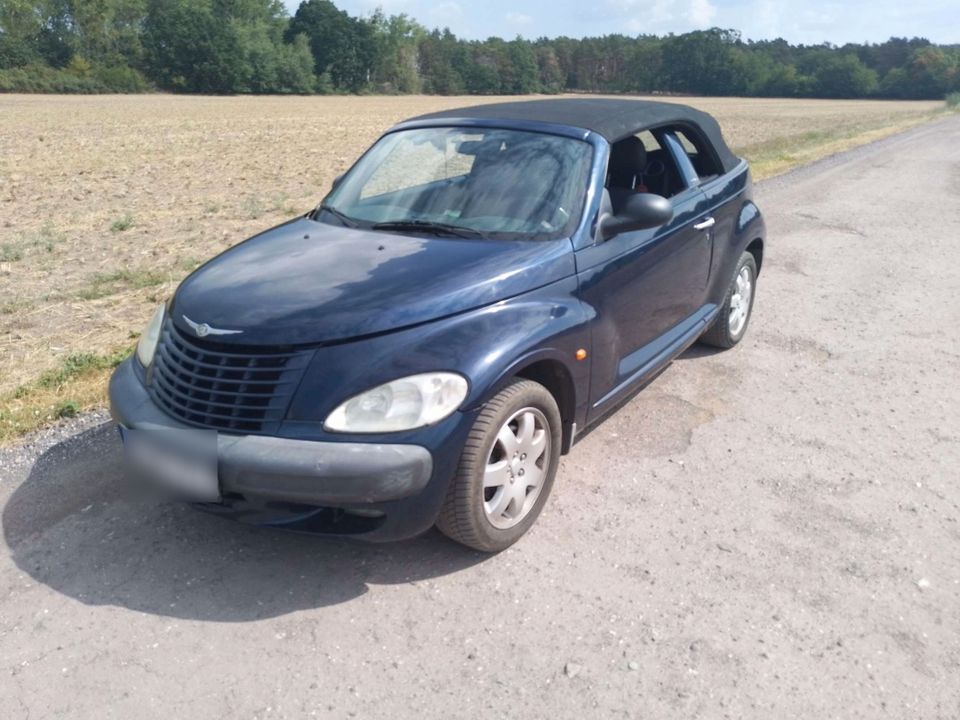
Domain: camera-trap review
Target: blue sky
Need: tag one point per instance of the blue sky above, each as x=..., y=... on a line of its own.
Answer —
x=806, y=21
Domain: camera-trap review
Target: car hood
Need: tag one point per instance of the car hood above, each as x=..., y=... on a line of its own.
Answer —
x=309, y=282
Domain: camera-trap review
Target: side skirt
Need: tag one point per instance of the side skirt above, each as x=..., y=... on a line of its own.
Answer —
x=659, y=353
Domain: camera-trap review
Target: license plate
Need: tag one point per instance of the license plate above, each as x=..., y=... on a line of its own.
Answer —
x=178, y=462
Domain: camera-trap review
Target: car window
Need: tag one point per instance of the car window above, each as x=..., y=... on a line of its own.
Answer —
x=409, y=164
x=688, y=147
x=649, y=141
x=702, y=161
x=652, y=169
x=504, y=184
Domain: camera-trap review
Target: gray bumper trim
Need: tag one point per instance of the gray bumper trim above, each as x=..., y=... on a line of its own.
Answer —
x=303, y=471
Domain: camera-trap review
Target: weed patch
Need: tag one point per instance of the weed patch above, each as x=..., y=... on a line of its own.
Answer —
x=10, y=253
x=104, y=284
x=122, y=224
x=77, y=384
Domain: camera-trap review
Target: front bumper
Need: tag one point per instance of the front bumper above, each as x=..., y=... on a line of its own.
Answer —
x=301, y=472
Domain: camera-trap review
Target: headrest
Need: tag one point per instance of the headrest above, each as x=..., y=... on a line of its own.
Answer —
x=628, y=158
x=487, y=154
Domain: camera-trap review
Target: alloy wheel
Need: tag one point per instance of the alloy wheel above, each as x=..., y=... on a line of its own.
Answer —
x=740, y=301
x=516, y=468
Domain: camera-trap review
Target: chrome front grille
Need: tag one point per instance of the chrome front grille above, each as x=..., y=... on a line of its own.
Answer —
x=217, y=386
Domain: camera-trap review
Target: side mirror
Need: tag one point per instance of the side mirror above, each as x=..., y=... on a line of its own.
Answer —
x=640, y=211
x=336, y=181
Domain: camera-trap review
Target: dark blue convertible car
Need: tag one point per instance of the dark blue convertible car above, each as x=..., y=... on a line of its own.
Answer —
x=480, y=287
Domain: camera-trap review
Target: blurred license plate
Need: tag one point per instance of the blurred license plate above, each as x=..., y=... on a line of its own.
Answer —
x=178, y=462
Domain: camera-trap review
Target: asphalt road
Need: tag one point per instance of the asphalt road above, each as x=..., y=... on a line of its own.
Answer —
x=771, y=532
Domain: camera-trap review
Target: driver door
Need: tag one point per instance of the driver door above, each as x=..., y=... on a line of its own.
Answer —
x=647, y=289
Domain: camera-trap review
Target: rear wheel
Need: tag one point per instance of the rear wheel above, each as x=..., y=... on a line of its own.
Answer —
x=506, y=471
x=731, y=323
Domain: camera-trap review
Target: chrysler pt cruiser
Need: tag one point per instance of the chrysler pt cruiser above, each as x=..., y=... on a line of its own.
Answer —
x=423, y=347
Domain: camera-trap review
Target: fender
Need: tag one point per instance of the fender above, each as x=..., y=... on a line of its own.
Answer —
x=555, y=370
x=551, y=329
x=495, y=343
x=487, y=345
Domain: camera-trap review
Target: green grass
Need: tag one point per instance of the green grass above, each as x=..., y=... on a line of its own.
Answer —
x=45, y=239
x=775, y=156
x=14, y=306
x=104, y=284
x=66, y=409
x=122, y=224
x=189, y=264
x=77, y=384
x=253, y=207
x=281, y=204
x=10, y=253
x=78, y=364
x=953, y=100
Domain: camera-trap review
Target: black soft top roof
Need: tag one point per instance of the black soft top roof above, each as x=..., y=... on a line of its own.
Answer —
x=611, y=118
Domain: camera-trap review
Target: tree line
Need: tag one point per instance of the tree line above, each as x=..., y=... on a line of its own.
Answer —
x=254, y=46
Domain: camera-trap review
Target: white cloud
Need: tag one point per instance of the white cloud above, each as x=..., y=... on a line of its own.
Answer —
x=518, y=18
x=659, y=16
x=804, y=21
x=701, y=13
x=446, y=14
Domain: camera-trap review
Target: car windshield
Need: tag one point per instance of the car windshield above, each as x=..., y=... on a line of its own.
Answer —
x=504, y=184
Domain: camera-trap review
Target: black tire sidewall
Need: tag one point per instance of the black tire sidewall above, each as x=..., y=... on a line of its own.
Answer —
x=475, y=528
x=746, y=260
x=718, y=334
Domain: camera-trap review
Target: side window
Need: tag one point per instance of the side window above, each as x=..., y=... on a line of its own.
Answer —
x=650, y=143
x=659, y=175
x=702, y=161
x=642, y=163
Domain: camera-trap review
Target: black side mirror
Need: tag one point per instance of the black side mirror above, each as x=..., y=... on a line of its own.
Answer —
x=336, y=181
x=640, y=211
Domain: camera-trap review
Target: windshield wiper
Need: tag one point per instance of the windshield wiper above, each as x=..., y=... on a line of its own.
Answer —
x=428, y=227
x=345, y=219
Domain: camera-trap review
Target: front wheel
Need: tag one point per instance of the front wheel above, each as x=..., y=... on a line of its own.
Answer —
x=731, y=323
x=506, y=471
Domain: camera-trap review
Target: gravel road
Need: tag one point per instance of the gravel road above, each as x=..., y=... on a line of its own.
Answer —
x=771, y=532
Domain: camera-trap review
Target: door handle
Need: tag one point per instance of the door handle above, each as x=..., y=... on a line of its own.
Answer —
x=705, y=224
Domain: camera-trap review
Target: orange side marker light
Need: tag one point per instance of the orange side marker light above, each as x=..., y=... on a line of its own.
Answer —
x=581, y=354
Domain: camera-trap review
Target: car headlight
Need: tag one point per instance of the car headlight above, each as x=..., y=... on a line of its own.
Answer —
x=404, y=404
x=147, y=345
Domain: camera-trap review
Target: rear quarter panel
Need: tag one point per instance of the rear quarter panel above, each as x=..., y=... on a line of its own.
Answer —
x=729, y=200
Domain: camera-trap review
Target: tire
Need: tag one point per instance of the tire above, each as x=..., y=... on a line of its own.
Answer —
x=725, y=332
x=490, y=518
